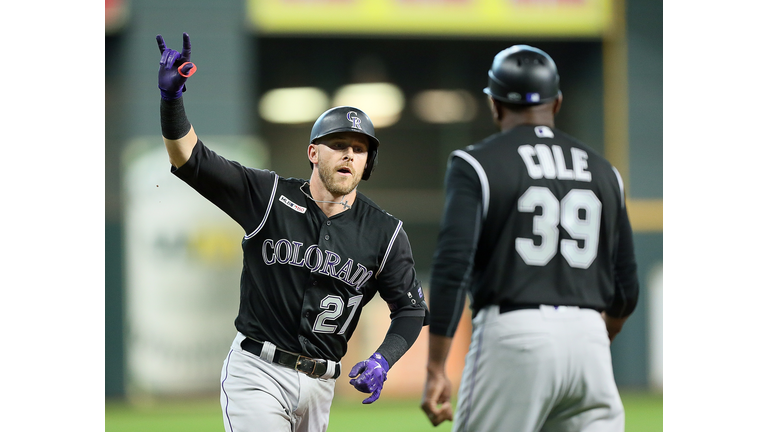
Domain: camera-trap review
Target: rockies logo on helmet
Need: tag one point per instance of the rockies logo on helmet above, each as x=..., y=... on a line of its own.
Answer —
x=355, y=120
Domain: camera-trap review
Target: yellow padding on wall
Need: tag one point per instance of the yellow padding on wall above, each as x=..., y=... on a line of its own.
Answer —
x=646, y=215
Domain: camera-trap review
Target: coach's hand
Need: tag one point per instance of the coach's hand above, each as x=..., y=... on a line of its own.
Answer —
x=175, y=68
x=613, y=325
x=436, y=400
x=372, y=374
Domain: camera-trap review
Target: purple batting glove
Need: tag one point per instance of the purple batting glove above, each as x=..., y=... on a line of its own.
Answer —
x=175, y=68
x=373, y=373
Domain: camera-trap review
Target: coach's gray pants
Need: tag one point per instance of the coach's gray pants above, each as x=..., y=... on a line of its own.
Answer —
x=536, y=370
x=261, y=396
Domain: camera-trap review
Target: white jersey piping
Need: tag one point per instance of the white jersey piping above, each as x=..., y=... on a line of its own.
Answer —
x=621, y=185
x=389, y=247
x=486, y=190
x=269, y=207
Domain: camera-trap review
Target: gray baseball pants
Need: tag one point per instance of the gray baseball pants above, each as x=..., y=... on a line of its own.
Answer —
x=261, y=396
x=539, y=370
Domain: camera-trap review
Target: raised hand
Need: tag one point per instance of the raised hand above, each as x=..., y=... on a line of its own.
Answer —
x=175, y=68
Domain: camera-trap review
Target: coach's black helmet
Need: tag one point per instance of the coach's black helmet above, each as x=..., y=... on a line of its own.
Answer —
x=348, y=119
x=523, y=75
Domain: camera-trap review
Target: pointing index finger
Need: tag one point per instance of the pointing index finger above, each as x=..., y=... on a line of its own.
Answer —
x=186, y=49
x=160, y=43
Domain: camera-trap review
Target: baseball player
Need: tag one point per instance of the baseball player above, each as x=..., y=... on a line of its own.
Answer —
x=315, y=252
x=535, y=230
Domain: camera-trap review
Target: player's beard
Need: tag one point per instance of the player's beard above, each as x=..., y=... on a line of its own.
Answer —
x=334, y=184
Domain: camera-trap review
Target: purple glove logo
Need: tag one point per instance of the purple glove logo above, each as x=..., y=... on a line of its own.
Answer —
x=372, y=374
x=175, y=68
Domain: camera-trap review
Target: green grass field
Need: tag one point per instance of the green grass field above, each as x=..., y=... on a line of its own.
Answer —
x=643, y=414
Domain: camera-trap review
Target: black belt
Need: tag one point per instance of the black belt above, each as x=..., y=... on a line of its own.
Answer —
x=513, y=307
x=314, y=368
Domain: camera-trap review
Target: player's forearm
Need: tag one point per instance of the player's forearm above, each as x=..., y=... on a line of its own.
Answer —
x=401, y=335
x=439, y=346
x=179, y=136
x=626, y=281
x=180, y=150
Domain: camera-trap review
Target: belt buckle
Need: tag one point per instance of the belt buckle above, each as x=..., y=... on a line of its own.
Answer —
x=307, y=366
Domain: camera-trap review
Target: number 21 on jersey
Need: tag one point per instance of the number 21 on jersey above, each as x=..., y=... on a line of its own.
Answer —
x=565, y=213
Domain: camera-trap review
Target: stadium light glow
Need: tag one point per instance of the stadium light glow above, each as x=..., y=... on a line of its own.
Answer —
x=293, y=105
x=383, y=102
x=444, y=106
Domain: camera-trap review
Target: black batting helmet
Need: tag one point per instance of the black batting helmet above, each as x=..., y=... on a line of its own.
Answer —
x=523, y=75
x=348, y=119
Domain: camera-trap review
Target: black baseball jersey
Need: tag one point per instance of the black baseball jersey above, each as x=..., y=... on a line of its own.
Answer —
x=532, y=217
x=305, y=277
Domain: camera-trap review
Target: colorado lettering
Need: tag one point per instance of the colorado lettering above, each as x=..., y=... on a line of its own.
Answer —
x=551, y=163
x=331, y=259
x=312, y=252
x=327, y=262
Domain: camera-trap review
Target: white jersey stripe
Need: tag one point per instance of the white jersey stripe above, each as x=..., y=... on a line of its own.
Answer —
x=486, y=190
x=621, y=185
x=269, y=207
x=389, y=247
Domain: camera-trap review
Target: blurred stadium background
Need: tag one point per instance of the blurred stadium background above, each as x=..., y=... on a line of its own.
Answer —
x=266, y=70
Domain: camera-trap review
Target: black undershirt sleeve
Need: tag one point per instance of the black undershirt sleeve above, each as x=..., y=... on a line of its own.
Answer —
x=626, y=282
x=457, y=242
x=402, y=333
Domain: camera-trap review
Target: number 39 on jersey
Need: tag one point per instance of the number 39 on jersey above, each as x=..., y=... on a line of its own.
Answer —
x=565, y=213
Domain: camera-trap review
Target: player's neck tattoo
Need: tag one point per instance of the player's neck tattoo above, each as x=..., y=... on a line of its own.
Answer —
x=341, y=202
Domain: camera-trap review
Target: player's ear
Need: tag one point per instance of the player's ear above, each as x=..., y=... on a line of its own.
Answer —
x=495, y=109
x=312, y=153
x=558, y=103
